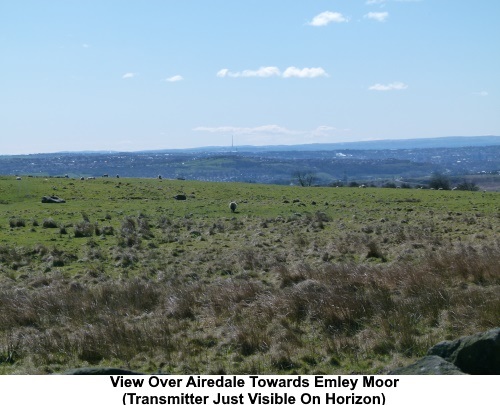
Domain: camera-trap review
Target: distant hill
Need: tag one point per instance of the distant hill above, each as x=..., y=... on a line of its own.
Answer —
x=420, y=143
x=384, y=144
x=374, y=162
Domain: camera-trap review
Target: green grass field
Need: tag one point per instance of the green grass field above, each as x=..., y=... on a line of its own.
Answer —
x=298, y=280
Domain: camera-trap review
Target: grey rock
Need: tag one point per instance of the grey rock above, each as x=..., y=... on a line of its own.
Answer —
x=475, y=354
x=428, y=365
x=52, y=199
x=100, y=371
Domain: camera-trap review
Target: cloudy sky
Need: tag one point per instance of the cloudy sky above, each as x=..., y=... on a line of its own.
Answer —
x=130, y=75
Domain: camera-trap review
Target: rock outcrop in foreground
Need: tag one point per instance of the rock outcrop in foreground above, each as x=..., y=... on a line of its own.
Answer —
x=100, y=371
x=475, y=354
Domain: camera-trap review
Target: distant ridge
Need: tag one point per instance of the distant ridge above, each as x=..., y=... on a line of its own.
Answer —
x=384, y=144
x=418, y=143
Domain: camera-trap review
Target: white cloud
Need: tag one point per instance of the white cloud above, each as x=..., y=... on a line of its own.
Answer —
x=388, y=87
x=276, y=134
x=85, y=45
x=176, y=78
x=308, y=73
x=274, y=129
x=325, y=133
x=223, y=73
x=262, y=72
x=326, y=18
x=322, y=129
x=266, y=71
x=381, y=16
x=270, y=71
x=268, y=129
x=373, y=2
x=482, y=93
x=129, y=75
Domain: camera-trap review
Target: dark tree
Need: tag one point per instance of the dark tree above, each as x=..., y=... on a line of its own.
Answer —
x=305, y=179
x=439, y=181
x=467, y=186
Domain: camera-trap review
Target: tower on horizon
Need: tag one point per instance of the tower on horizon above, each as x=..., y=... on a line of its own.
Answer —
x=232, y=144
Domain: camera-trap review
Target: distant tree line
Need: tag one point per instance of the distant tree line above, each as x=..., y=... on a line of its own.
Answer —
x=438, y=181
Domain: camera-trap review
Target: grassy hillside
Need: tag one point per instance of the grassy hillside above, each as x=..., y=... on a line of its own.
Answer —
x=303, y=280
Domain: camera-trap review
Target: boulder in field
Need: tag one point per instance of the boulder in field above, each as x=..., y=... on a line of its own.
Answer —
x=52, y=199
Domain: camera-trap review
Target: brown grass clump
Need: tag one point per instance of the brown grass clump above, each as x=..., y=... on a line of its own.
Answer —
x=49, y=223
x=84, y=229
x=17, y=222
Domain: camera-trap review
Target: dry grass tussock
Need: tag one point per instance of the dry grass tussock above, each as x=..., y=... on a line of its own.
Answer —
x=258, y=317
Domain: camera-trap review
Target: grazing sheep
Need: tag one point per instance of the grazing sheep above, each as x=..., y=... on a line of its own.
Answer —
x=159, y=177
x=232, y=206
x=18, y=178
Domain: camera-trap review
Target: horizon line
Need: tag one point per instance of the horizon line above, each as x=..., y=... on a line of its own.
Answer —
x=231, y=147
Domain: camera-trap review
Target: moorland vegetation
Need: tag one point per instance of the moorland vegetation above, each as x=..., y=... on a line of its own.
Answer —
x=296, y=280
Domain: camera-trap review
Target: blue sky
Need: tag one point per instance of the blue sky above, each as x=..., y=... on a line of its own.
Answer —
x=132, y=75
